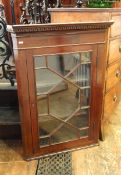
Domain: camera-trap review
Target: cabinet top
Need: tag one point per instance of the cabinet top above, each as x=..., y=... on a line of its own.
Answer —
x=80, y=26
x=84, y=9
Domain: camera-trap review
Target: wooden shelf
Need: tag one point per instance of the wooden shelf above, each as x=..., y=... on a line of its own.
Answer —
x=10, y=126
x=9, y=116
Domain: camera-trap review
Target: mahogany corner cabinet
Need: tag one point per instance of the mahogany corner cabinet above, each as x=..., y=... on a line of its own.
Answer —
x=60, y=77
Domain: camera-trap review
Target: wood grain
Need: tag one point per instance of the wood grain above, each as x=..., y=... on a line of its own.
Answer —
x=113, y=75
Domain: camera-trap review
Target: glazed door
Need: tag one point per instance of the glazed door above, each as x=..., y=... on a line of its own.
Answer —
x=62, y=97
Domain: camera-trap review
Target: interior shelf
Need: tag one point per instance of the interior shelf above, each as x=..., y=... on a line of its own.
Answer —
x=9, y=116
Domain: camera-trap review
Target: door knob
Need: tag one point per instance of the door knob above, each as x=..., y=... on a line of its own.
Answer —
x=118, y=73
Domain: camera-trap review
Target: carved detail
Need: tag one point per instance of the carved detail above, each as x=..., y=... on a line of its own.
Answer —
x=34, y=12
x=60, y=27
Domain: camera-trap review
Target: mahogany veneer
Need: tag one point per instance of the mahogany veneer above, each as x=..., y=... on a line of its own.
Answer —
x=49, y=41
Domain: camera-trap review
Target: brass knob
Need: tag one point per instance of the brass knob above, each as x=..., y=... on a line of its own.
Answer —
x=119, y=48
x=118, y=73
x=114, y=98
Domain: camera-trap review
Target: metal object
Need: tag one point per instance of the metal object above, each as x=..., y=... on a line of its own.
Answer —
x=2, y=10
x=35, y=11
x=118, y=73
x=81, y=3
x=55, y=164
x=7, y=70
x=115, y=98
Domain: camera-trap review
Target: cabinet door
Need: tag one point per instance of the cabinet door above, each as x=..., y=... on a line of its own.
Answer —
x=63, y=97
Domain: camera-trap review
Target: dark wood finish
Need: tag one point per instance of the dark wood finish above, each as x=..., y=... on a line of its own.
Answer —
x=7, y=11
x=52, y=39
x=68, y=2
x=16, y=10
x=23, y=96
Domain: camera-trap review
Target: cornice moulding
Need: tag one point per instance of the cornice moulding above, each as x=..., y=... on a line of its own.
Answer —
x=82, y=26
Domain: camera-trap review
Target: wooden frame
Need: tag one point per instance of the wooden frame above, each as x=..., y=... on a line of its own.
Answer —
x=52, y=39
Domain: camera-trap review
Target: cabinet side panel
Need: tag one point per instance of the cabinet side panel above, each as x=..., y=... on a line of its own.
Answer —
x=23, y=95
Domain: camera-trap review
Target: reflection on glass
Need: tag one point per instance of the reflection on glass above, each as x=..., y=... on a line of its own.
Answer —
x=63, y=96
x=40, y=61
x=63, y=64
x=44, y=141
x=81, y=75
x=85, y=57
x=64, y=103
x=47, y=124
x=80, y=119
x=84, y=133
x=65, y=133
x=85, y=97
x=45, y=80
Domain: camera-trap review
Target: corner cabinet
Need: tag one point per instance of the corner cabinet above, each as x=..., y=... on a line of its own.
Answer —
x=60, y=76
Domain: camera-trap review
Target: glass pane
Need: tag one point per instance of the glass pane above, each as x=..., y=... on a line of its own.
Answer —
x=63, y=96
x=45, y=80
x=40, y=61
x=84, y=133
x=81, y=75
x=85, y=97
x=64, y=102
x=47, y=124
x=85, y=57
x=65, y=133
x=44, y=141
x=81, y=119
x=63, y=64
x=42, y=104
